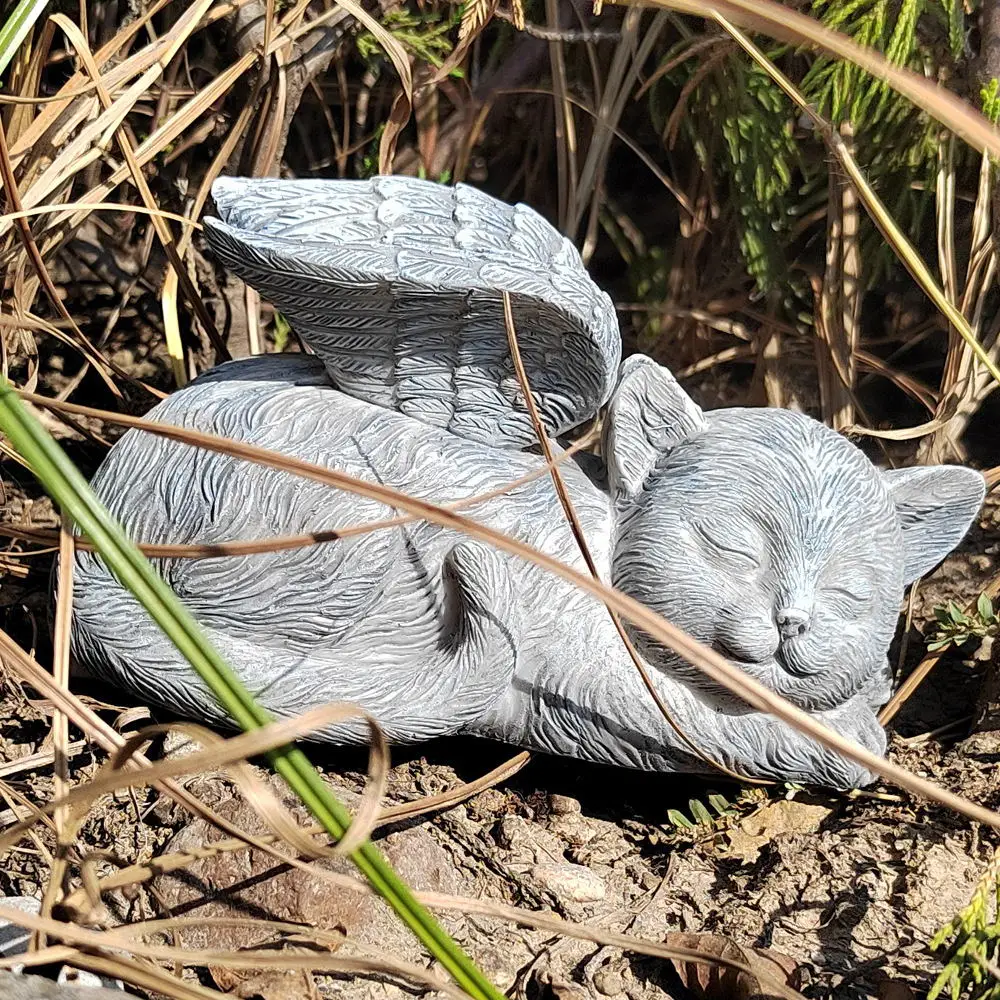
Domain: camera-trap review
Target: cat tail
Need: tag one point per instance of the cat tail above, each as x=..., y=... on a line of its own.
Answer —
x=396, y=284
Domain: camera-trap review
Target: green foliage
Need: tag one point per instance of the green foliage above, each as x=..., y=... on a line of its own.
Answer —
x=956, y=627
x=715, y=813
x=649, y=274
x=738, y=123
x=701, y=816
x=282, y=332
x=443, y=178
x=990, y=98
x=842, y=90
x=770, y=169
x=762, y=154
x=16, y=27
x=368, y=167
x=971, y=940
x=426, y=33
x=896, y=142
x=955, y=13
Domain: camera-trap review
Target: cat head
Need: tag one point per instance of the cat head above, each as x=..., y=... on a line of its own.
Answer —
x=770, y=537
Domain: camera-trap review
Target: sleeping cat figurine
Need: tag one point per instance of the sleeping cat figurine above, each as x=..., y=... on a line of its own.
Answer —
x=761, y=532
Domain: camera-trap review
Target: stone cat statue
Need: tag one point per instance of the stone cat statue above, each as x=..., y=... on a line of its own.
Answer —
x=761, y=532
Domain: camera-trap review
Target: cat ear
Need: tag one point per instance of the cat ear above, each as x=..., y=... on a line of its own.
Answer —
x=936, y=505
x=649, y=414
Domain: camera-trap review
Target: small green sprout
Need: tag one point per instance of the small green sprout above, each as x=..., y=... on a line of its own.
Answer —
x=990, y=97
x=956, y=627
x=701, y=818
x=970, y=943
x=282, y=332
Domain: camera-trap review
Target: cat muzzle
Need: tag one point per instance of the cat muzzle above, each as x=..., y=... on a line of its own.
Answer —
x=792, y=622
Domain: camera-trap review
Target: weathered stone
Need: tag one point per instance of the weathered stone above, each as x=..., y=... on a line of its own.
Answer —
x=563, y=805
x=608, y=979
x=570, y=883
x=252, y=884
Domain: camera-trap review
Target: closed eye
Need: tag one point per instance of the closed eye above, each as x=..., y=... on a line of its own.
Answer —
x=857, y=594
x=729, y=550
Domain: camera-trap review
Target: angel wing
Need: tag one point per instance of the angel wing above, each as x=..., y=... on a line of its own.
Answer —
x=396, y=283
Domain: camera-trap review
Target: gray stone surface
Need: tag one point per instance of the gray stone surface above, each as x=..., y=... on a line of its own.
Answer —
x=760, y=532
x=14, y=986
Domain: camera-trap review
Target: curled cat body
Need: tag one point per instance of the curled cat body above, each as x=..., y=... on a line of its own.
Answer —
x=762, y=533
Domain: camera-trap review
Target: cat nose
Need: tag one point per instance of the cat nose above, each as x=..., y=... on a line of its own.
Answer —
x=792, y=622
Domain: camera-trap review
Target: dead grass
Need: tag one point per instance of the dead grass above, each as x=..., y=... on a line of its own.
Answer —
x=111, y=136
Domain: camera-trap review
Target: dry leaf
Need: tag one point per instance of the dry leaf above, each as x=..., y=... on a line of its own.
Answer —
x=266, y=984
x=783, y=817
x=712, y=982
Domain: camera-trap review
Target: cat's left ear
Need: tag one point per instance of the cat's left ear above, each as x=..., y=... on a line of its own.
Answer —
x=649, y=413
x=936, y=505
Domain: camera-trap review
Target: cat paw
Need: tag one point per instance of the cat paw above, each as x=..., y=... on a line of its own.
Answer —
x=768, y=748
x=856, y=722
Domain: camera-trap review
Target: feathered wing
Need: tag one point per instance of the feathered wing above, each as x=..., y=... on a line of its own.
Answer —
x=396, y=284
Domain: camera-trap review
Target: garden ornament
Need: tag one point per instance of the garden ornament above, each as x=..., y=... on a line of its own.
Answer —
x=761, y=532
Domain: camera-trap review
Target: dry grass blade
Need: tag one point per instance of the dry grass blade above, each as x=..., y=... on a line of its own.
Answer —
x=89, y=722
x=172, y=328
x=30, y=322
x=895, y=237
x=474, y=17
x=647, y=161
x=42, y=758
x=76, y=102
x=403, y=104
x=77, y=901
x=281, y=544
x=920, y=392
x=51, y=954
x=963, y=379
x=141, y=974
x=839, y=304
x=709, y=662
x=97, y=206
x=32, y=100
x=60, y=121
x=219, y=754
x=147, y=150
x=786, y=24
x=73, y=33
x=116, y=940
x=66, y=820
x=630, y=56
x=14, y=205
x=581, y=542
x=331, y=939
x=565, y=127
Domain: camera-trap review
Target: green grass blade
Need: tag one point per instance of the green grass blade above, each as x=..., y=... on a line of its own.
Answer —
x=15, y=29
x=880, y=215
x=67, y=486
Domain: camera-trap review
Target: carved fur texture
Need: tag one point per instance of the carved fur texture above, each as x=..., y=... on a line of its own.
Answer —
x=762, y=533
